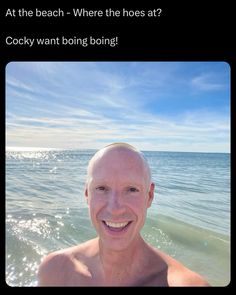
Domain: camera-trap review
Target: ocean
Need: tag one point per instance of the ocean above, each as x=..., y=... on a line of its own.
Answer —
x=46, y=210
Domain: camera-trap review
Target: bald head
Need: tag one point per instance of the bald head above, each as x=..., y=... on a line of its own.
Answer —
x=127, y=154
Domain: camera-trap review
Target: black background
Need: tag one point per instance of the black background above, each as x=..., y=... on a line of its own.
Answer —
x=191, y=31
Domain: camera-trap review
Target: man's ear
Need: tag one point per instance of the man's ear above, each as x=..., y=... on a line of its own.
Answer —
x=86, y=193
x=151, y=194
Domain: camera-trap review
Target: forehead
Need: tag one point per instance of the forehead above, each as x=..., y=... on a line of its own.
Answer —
x=117, y=162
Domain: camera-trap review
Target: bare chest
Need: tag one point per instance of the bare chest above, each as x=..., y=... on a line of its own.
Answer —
x=96, y=278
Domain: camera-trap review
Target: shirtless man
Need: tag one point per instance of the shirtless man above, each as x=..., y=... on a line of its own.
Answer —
x=118, y=191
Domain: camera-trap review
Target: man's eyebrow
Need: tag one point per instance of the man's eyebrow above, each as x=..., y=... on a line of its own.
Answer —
x=105, y=182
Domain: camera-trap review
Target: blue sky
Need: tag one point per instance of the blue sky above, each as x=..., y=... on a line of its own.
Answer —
x=163, y=106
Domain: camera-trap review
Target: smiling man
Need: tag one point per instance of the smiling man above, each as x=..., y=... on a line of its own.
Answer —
x=118, y=191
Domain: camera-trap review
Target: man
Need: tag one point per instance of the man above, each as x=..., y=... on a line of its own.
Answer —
x=118, y=192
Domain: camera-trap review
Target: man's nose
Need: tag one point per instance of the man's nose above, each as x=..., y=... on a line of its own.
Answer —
x=115, y=203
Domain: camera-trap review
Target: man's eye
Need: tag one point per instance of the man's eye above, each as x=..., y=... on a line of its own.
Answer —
x=133, y=189
x=100, y=188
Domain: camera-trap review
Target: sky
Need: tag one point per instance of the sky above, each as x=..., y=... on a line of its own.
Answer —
x=155, y=106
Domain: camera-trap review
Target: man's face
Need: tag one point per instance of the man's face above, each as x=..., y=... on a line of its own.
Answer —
x=118, y=195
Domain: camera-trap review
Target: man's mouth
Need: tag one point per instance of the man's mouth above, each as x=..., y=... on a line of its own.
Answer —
x=116, y=226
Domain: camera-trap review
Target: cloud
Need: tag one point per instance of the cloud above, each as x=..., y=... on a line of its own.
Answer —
x=158, y=132
x=208, y=82
x=85, y=105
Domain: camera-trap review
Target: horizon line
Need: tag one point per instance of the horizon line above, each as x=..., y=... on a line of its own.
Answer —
x=31, y=149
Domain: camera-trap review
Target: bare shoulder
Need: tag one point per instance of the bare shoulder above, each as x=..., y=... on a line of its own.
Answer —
x=58, y=267
x=179, y=275
x=176, y=274
x=186, y=278
x=52, y=270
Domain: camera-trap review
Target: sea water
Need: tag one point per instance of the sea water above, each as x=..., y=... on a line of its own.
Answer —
x=46, y=209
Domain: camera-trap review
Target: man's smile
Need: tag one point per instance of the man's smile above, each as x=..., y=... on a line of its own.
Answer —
x=116, y=226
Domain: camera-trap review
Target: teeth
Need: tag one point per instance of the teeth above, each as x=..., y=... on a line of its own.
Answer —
x=117, y=225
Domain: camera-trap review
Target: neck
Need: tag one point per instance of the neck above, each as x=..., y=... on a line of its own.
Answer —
x=120, y=265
